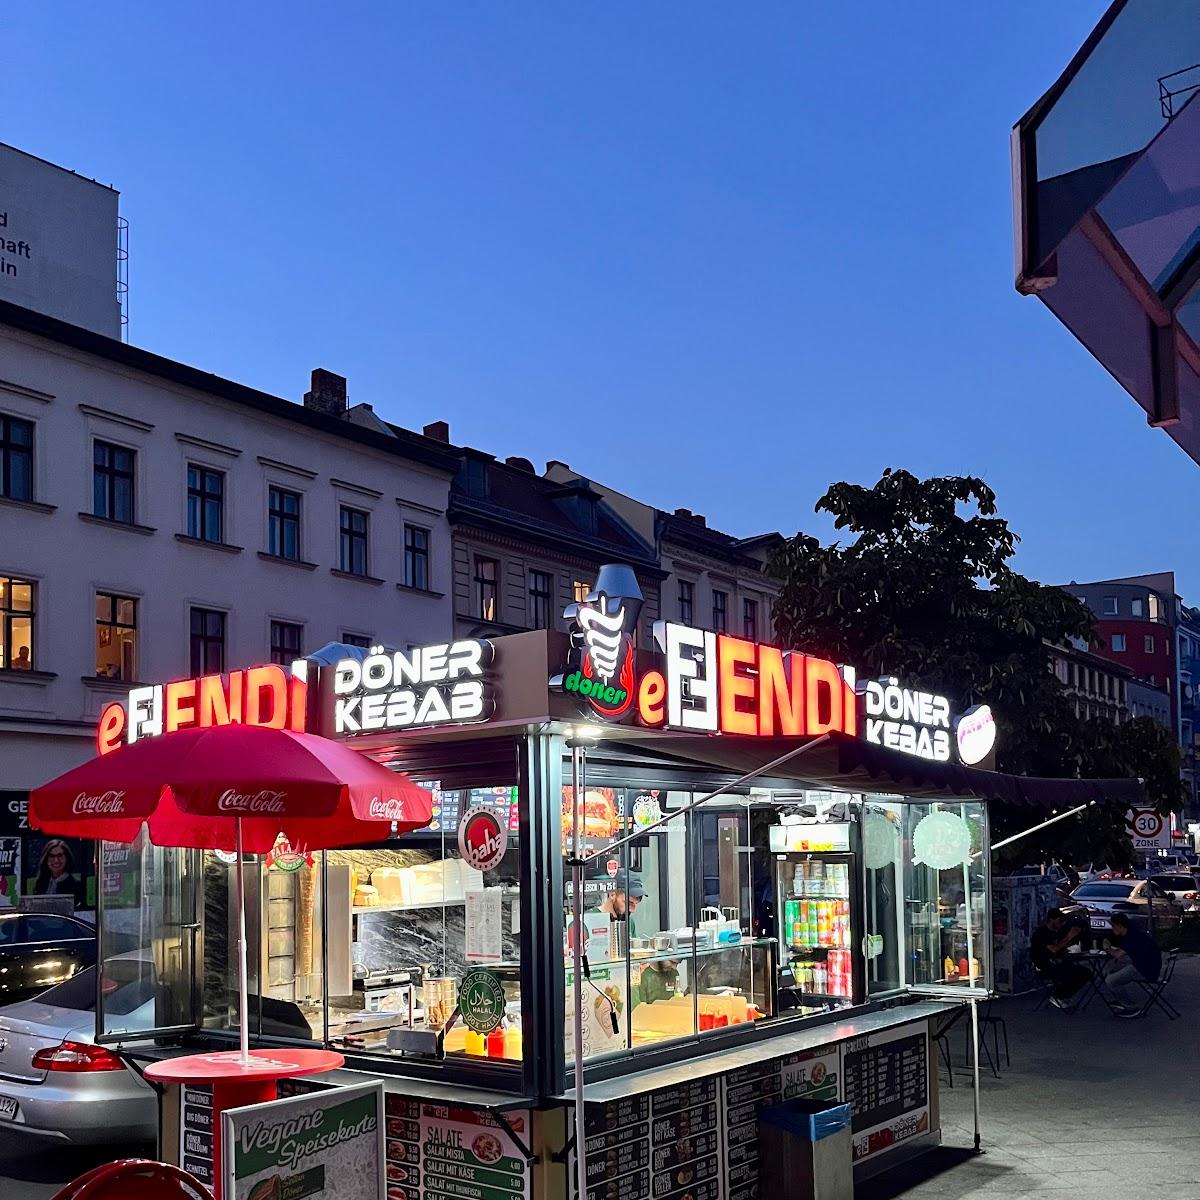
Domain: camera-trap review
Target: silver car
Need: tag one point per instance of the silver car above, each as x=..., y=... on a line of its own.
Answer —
x=1182, y=886
x=55, y=1082
x=1136, y=898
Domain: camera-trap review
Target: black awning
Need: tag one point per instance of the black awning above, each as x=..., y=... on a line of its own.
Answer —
x=852, y=765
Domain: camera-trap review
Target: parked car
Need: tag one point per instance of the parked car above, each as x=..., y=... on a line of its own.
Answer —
x=56, y=1083
x=1103, y=898
x=38, y=950
x=1183, y=886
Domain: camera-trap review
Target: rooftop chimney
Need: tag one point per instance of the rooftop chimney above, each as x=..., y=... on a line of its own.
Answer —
x=439, y=431
x=521, y=464
x=328, y=394
x=683, y=512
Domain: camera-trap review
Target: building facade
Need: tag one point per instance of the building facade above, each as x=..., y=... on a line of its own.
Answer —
x=158, y=522
x=1098, y=688
x=712, y=580
x=525, y=547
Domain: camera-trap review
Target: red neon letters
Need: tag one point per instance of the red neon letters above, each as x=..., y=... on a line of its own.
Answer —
x=266, y=696
x=751, y=689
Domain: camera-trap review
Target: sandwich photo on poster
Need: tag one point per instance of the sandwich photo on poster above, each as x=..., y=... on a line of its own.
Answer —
x=601, y=815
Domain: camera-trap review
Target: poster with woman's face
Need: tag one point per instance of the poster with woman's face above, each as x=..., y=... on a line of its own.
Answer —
x=59, y=867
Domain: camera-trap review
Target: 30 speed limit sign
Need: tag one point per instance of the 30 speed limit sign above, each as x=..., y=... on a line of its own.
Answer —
x=1147, y=829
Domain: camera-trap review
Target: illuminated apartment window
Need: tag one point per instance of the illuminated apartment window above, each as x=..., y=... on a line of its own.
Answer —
x=486, y=588
x=116, y=636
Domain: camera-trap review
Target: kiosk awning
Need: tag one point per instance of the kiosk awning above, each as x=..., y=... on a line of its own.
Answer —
x=846, y=763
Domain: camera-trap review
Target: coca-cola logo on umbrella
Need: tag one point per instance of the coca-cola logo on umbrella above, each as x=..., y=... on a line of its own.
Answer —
x=385, y=810
x=112, y=802
x=263, y=802
x=482, y=840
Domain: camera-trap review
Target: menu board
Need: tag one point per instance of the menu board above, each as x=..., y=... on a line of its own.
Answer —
x=503, y=799
x=663, y=1145
x=438, y=1152
x=196, y=1131
x=886, y=1081
x=698, y=1139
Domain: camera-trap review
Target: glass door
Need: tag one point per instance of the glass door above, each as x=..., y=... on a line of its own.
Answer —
x=148, y=933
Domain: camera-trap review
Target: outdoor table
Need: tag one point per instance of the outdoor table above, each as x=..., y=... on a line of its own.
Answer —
x=1095, y=962
x=236, y=1082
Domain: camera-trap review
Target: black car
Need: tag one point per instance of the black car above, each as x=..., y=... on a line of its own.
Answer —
x=38, y=950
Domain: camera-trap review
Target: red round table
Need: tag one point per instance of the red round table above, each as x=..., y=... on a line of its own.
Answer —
x=236, y=1083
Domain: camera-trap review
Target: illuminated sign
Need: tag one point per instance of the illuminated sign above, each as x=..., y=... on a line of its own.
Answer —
x=976, y=733
x=482, y=839
x=267, y=696
x=902, y=719
x=602, y=653
x=443, y=684
x=717, y=684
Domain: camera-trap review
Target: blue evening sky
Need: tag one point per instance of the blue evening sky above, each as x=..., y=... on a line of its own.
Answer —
x=716, y=255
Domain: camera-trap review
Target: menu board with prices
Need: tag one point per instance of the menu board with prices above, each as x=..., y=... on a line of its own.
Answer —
x=503, y=799
x=663, y=1145
x=196, y=1132
x=438, y=1152
x=886, y=1081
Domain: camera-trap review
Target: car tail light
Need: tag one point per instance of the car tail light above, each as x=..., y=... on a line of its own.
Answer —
x=1189, y=895
x=77, y=1056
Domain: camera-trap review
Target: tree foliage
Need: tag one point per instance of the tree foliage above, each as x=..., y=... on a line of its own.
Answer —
x=924, y=589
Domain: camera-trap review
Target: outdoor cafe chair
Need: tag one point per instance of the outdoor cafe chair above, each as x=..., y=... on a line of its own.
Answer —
x=1154, y=991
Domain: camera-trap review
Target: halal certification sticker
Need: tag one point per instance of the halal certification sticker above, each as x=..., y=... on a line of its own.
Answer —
x=481, y=1000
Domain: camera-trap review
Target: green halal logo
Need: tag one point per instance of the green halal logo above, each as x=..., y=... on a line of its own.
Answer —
x=481, y=1000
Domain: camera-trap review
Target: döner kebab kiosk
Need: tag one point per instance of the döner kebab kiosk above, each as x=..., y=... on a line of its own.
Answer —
x=716, y=873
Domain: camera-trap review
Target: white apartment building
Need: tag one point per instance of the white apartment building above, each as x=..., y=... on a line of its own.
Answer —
x=157, y=521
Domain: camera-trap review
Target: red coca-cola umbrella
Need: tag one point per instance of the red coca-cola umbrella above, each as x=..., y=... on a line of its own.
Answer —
x=232, y=787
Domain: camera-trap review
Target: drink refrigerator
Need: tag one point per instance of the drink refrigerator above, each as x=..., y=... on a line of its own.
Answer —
x=816, y=886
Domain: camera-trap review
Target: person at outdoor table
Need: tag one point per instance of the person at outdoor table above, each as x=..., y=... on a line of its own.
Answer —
x=1048, y=951
x=1137, y=960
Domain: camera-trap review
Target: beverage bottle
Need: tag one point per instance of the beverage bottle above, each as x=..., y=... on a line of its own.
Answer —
x=512, y=1042
x=495, y=1043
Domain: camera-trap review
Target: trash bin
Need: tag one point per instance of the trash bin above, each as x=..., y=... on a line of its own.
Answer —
x=804, y=1151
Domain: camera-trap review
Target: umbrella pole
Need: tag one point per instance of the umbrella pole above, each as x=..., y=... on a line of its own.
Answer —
x=243, y=989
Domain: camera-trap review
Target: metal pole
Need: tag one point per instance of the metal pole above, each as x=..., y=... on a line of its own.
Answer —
x=721, y=791
x=966, y=869
x=243, y=987
x=1016, y=837
x=578, y=770
x=975, y=1062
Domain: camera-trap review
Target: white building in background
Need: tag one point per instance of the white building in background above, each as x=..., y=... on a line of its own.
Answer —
x=157, y=521
x=62, y=243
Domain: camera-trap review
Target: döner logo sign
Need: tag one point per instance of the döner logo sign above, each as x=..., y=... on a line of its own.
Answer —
x=602, y=653
x=442, y=684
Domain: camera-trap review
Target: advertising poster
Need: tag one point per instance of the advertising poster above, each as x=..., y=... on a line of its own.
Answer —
x=59, y=867
x=438, y=1152
x=886, y=1081
x=328, y=1145
x=10, y=871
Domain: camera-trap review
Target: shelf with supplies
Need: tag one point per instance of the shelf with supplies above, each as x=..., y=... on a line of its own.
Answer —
x=816, y=896
x=681, y=952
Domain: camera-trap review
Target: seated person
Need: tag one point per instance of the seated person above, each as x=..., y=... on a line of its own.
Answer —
x=1137, y=960
x=1048, y=950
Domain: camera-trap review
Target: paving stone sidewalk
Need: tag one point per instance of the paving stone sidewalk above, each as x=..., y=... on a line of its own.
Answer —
x=1102, y=1108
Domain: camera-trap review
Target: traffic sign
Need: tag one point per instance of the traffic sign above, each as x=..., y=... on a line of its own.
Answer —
x=1147, y=829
